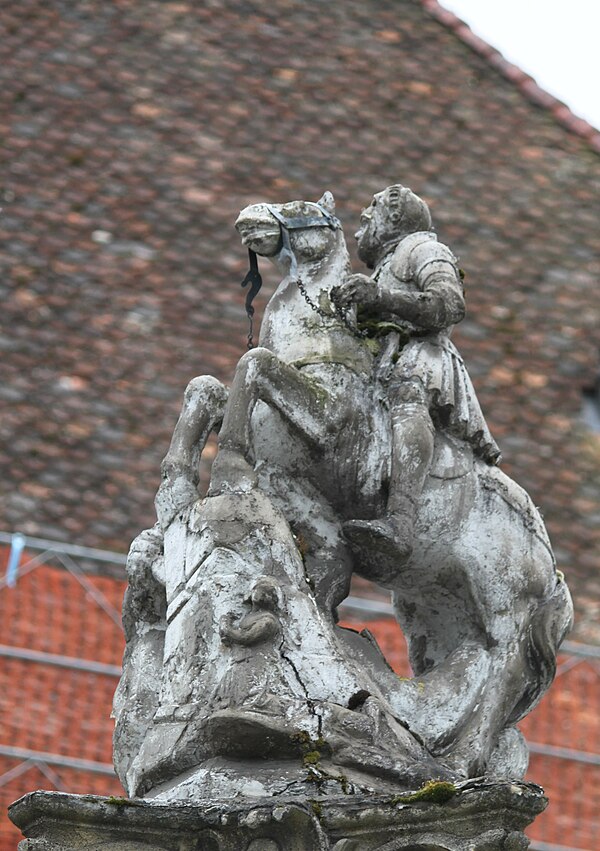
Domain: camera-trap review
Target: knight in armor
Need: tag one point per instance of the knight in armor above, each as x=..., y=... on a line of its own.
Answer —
x=416, y=287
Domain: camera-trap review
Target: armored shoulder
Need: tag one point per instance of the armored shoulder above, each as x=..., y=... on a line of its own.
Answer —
x=412, y=246
x=432, y=271
x=428, y=257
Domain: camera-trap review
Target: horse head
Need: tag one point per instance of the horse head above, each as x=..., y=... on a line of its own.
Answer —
x=292, y=234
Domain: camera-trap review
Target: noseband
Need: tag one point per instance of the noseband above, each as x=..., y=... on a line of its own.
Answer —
x=286, y=224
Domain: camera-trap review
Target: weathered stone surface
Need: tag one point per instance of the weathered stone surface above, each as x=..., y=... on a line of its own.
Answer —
x=478, y=817
x=342, y=447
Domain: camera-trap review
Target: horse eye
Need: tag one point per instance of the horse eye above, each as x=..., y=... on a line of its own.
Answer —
x=374, y=202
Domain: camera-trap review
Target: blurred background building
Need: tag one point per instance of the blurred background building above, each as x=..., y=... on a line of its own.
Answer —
x=130, y=136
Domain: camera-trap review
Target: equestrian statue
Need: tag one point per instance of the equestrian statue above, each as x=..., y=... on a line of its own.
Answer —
x=350, y=441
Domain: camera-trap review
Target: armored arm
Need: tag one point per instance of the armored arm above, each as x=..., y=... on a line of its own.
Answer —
x=439, y=300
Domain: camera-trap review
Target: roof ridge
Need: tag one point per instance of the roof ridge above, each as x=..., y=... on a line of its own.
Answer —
x=524, y=82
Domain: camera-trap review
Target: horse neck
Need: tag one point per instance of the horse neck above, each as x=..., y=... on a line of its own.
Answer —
x=327, y=272
x=299, y=325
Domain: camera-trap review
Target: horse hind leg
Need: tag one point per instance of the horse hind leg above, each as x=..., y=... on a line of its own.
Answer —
x=519, y=680
x=202, y=412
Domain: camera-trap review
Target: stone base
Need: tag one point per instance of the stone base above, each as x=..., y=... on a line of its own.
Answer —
x=480, y=816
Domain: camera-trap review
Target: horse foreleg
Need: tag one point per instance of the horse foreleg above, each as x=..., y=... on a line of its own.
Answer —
x=202, y=412
x=260, y=375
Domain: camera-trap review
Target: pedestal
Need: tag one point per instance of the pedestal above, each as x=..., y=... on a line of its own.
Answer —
x=479, y=816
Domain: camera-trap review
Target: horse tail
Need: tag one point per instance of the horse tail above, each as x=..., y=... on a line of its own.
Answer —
x=550, y=623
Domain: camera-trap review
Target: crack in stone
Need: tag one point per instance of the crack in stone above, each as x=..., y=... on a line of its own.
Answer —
x=309, y=701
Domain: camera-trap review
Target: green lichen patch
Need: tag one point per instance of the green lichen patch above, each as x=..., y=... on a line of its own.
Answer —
x=316, y=808
x=120, y=802
x=377, y=328
x=311, y=750
x=434, y=792
x=374, y=346
x=343, y=781
x=311, y=758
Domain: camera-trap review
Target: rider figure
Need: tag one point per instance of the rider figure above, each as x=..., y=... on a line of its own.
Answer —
x=417, y=286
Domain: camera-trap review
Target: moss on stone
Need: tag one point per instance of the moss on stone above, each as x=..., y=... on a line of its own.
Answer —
x=313, y=750
x=434, y=791
x=120, y=802
x=317, y=808
x=343, y=781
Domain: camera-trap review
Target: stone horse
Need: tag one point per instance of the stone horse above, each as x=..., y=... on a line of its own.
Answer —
x=308, y=420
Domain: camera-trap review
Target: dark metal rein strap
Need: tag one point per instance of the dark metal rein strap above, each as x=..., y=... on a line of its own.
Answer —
x=253, y=277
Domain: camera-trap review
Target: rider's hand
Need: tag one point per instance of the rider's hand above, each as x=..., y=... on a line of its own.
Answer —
x=356, y=289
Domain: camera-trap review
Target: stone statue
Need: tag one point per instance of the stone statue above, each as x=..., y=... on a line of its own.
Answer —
x=351, y=440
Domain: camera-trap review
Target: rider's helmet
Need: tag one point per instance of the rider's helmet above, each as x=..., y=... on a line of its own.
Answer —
x=408, y=213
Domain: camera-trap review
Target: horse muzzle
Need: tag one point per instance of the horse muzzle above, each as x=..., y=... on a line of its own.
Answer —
x=258, y=230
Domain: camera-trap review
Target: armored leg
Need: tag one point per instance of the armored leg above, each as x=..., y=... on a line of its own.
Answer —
x=412, y=450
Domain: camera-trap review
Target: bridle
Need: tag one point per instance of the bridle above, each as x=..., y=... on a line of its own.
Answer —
x=284, y=249
x=288, y=223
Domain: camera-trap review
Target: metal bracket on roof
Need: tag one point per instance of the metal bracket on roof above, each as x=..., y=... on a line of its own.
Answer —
x=17, y=545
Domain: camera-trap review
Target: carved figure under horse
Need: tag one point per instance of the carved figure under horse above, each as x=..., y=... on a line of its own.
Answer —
x=235, y=681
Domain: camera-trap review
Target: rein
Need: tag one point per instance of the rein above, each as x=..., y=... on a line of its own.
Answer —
x=286, y=224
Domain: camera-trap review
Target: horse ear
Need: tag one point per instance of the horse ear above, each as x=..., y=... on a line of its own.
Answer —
x=327, y=201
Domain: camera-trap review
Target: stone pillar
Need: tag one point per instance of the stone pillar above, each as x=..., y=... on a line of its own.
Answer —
x=473, y=816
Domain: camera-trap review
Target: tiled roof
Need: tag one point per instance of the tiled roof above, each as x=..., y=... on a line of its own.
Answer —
x=131, y=136
x=528, y=86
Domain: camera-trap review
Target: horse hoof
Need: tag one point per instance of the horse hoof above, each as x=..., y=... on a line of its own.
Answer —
x=377, y=547
x=380, y=534
x=231, y=473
